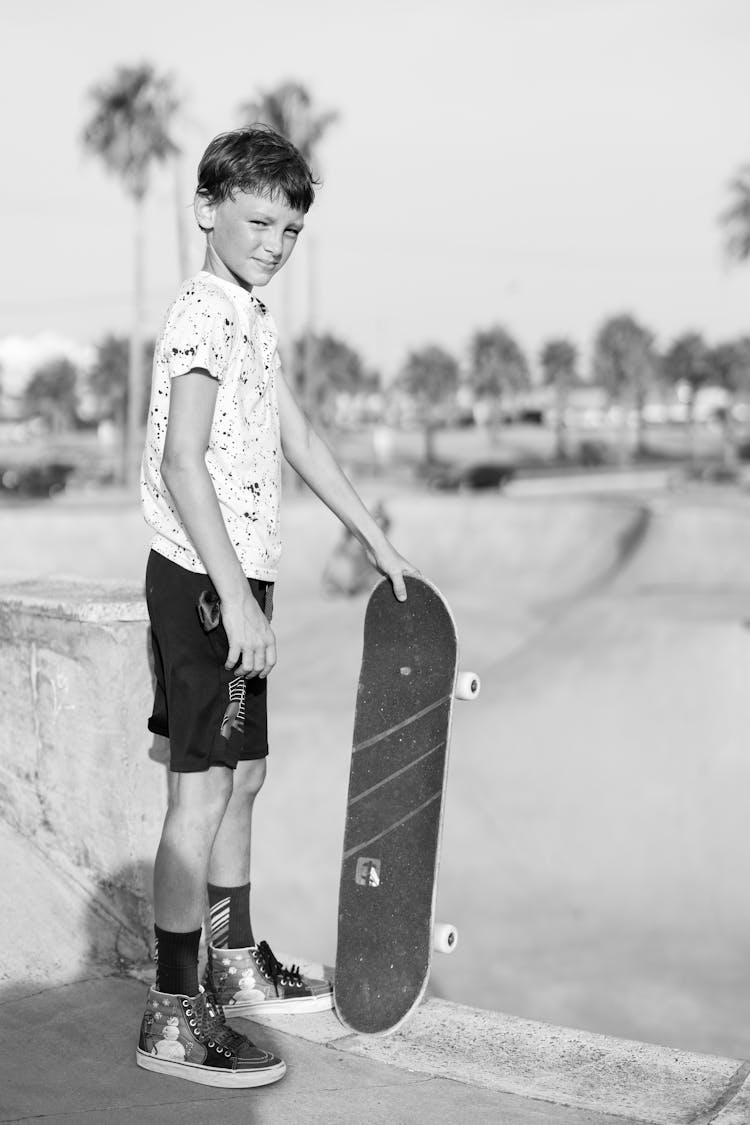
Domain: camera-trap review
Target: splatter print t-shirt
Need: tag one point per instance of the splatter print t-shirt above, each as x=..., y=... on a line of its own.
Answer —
x=219, y=327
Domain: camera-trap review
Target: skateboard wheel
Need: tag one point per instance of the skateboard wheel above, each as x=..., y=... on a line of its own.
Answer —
x=444, y=937
x=467, y=685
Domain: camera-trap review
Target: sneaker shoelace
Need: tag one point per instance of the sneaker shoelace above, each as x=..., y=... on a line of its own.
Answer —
x=212, y=1025
x=277, y=973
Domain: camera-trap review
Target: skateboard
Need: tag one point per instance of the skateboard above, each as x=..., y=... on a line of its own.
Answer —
x=407, y=683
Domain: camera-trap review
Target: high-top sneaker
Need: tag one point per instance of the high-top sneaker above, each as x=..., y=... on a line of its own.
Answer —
x=188, y=1037
x=248, y=981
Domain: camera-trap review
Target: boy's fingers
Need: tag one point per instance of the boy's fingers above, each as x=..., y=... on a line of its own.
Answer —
x=259, y=661
x=253, y=662
x=399, y=586
x=270, y=661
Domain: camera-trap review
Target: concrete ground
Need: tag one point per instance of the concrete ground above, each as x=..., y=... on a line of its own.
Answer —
x=68, y=1057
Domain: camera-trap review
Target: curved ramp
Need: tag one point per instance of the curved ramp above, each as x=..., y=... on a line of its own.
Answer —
x=595, y=848
x=600, y=791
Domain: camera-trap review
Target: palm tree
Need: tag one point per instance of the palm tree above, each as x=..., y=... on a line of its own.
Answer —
x=625, y=364
x=687, y=363
x=497, y=367
x=130, y=131
x=730, y=367
x=51, y=393
x=429, y=377
x=288, y=108
x=736, y=217
x=346, y=374
x=108, y=378
x=558, y=359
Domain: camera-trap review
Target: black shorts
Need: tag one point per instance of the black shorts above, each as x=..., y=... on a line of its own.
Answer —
x=210, y=716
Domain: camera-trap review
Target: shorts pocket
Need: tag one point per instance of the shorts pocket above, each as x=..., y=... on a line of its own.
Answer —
x=208, y=607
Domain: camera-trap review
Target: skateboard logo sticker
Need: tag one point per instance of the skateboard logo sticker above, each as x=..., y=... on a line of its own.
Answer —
x=367, y=873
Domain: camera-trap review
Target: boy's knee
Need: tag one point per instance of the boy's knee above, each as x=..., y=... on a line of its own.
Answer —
x=204, y=795
x=249, y=778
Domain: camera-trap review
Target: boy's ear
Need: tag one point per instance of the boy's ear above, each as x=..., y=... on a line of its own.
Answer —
x=204, y=211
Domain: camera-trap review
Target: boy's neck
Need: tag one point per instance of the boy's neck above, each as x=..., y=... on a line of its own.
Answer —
x=213, y=264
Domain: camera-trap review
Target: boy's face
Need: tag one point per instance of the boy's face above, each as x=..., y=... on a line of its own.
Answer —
x=248, y=237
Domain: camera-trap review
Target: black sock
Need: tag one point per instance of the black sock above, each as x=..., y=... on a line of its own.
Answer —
x=229, y=908
x=177, y=962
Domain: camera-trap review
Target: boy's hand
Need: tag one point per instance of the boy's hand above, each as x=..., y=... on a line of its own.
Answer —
x=394, y=566
x=252, y=644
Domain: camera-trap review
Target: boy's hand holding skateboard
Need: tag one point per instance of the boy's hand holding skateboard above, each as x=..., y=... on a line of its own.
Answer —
x=385, y=558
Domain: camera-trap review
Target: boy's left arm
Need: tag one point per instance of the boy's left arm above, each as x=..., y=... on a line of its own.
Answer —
x=309, y=456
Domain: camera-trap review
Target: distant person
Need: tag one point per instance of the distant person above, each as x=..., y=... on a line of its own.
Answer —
x=221, y=415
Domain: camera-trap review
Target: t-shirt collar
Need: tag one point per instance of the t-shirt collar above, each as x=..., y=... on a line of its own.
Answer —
x=233, y=287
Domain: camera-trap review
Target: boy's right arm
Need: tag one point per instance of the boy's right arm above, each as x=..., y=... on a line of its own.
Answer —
x=183, y=468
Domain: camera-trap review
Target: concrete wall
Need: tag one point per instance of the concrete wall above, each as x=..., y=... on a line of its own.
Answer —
x=81, y=776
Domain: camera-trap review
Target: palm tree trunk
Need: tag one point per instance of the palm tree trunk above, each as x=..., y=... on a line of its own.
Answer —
x=640, y=442
x=310, y=367
x=691, y=435
x=183, y=255
x=494, y=421
x=132, y=444
x=430, y=457
x=623, y=453
x=561, y=396
x=729, y=452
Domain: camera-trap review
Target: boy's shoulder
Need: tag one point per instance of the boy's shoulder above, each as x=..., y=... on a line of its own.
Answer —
x=202, y=305
x=207, y=290
x=207, y=295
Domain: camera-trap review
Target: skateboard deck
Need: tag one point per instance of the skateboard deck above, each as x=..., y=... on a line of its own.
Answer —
x=395, y=807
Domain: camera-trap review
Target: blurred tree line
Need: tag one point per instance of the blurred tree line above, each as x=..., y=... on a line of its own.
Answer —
x=490, y=379
x=132, y=128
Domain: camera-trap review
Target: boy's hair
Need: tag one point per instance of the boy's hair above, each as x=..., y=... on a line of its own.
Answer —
x=256, y=160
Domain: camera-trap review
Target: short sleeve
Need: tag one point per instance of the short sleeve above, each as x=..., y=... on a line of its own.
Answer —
x=200, y=333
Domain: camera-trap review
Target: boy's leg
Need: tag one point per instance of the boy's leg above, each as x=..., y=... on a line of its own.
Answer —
x=229, y=866
x=197, y=802
x=246, y=977
x=183, y=1031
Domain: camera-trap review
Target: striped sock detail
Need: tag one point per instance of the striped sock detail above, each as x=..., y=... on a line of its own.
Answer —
x=219, y=915
x=229, y=913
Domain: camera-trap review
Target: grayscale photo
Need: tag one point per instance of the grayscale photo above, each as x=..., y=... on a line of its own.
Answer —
x=375, y=563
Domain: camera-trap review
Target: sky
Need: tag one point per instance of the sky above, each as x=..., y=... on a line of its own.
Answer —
x=539, y=164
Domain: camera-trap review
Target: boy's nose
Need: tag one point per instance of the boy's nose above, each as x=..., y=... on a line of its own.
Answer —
x=272, y=245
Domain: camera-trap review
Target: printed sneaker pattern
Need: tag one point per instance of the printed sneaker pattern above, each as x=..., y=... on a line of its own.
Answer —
x=188, y=1037
x=250, y=981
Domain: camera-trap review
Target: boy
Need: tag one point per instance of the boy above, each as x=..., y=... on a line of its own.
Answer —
x=221, y=415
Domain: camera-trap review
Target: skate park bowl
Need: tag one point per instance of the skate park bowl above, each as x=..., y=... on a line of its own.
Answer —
x=595, y=844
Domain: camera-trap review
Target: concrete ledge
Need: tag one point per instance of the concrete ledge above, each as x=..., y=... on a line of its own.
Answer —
x=594, y=1073
x=75, y=599
x=79, y=775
